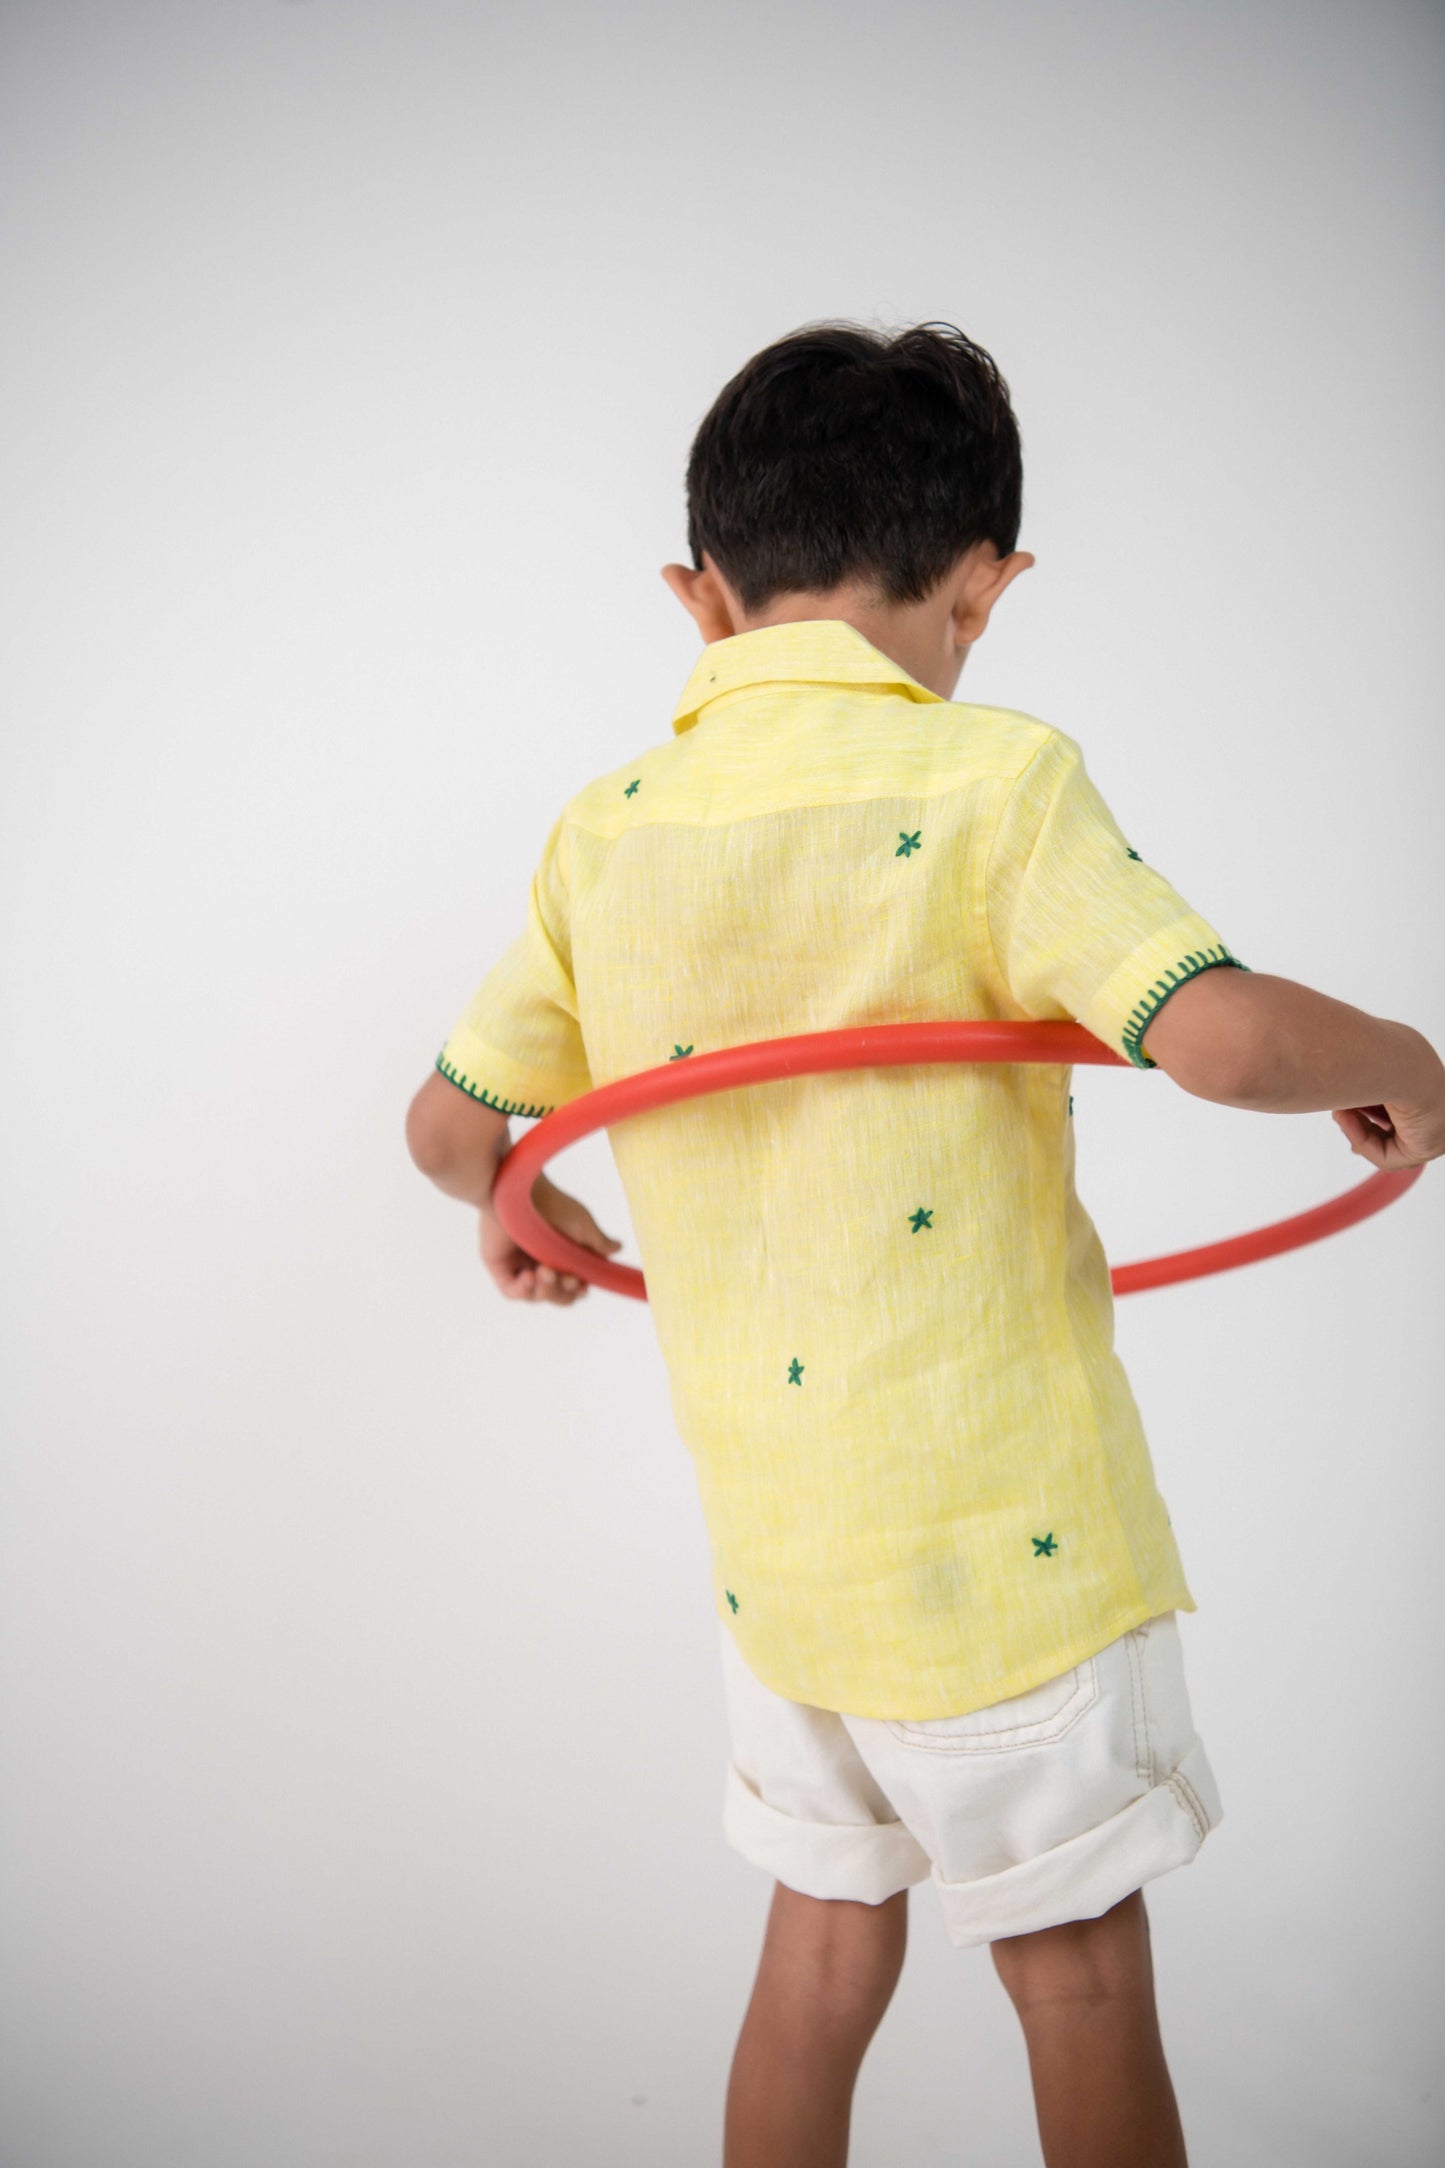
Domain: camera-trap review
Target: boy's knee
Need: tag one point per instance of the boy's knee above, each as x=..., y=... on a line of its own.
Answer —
x=1080, y=1960
x=838, y=1919
x=838, y=1938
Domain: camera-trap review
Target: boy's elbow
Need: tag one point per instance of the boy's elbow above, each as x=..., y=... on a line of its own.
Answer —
x=425, y=1141
x=1212, y=1040
x=1230, y=1076
x=431, y=1125
x=444, y=1126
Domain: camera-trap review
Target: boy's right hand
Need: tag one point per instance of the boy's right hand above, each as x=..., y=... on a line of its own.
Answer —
x=1394, y=1136
x=1248, y=1039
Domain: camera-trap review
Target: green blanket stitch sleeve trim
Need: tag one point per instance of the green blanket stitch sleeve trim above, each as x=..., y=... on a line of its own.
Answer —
x=474, y=1091
x=1145, y=1011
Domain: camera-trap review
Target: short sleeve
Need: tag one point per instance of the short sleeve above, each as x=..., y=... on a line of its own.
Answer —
x=1081, y=927
x=518, y=1044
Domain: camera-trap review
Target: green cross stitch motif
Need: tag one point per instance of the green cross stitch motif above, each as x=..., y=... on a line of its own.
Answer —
x=795, y=1372
x=909, y=843
x=919, y=1219
x=732, y=1599
x=678, y=1052
x=1044, y=1546
x=1134, y=854
x=632, y=786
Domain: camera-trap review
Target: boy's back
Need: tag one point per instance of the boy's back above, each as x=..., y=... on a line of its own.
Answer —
x=886, y=1318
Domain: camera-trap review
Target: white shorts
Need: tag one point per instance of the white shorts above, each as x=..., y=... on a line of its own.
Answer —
x=1050, y=1806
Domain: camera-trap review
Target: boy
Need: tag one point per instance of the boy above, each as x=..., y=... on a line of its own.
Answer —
x=946, y=1583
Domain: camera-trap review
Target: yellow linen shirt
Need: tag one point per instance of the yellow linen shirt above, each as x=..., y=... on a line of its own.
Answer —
x=886, y=1317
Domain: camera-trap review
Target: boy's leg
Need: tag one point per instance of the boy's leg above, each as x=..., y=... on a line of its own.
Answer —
x=827, y=1973
x=1084, y=1993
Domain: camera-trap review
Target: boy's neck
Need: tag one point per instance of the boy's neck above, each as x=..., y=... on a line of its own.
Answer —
x=928, y=639
x=920, y=638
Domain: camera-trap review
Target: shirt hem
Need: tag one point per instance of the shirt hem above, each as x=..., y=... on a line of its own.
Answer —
x=1019, y=1681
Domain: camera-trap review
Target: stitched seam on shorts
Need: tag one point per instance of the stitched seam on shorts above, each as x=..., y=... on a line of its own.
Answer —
x=1153, y=1766
x=1139, y=1709
x=1189, y=1799
x=1011, y=1738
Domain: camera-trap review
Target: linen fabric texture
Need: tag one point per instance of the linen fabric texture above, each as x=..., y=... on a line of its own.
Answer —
x=885, y=1315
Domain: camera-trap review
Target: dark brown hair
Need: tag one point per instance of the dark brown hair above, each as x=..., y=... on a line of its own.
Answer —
x=841, y=453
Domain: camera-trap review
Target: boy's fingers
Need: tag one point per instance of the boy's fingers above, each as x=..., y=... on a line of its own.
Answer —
x=591, y=1237
x=523, y=1279
x=1366, y=1141
x=541, y=1283
x=572, y=1218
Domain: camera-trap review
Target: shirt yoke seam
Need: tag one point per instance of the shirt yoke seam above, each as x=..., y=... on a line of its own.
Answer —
x=624, y=769
x=609, y=833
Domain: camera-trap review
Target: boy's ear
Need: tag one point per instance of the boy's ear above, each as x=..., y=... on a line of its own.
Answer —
x=982, y=589
x=681, y=578
x=702, y=598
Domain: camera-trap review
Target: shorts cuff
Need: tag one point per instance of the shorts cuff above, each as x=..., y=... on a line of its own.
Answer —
x=867, y=1861
x=1090, y=1873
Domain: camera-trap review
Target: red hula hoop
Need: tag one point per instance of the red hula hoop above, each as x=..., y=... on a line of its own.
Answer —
x=876, y=1046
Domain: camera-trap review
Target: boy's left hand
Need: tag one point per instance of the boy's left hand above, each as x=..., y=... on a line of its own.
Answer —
x=519, y=1276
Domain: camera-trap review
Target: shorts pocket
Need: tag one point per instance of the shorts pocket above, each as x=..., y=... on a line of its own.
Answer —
x=1033, y=1718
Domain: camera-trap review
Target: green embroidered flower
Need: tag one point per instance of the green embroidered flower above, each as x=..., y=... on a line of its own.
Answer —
x=732, y=1599
x=1134, y=855
x=920, y=1219
x=908, y=844
x=1044, y=1546
x=679, y=1053
x=795, y=1372
x=632, y=786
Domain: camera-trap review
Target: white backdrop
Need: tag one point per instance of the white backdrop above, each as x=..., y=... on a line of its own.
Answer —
x=363, y=1733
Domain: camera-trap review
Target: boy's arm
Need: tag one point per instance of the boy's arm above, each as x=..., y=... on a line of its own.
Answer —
x=1245, y=1039
x=459, y=1143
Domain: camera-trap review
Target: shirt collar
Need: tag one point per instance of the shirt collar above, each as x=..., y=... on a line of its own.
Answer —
x=824, y=650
